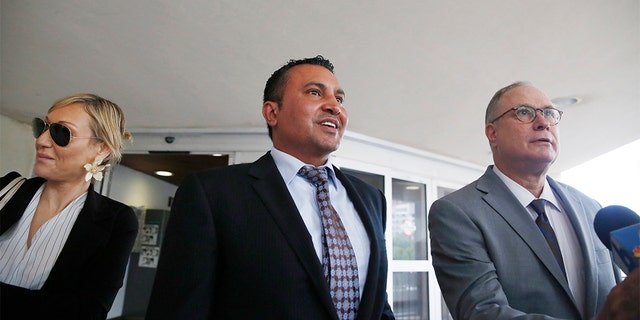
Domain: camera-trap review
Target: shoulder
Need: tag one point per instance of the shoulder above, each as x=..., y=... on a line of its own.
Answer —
x=465, y=203
x=117, y=211
x=263, y=167
x=29, y=187
x=465, y=194
x=477, y=190
x=565, y=190
x=216, y=174
x=357, y=183
x=359, y=189
x=8, y=177
x=239, y=169
x=106, y=202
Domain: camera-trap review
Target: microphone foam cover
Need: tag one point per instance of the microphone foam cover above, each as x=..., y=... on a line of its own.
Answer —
x=611, y=218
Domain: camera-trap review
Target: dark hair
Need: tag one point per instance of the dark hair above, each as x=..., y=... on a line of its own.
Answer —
x=493, y=104
x=274, y=89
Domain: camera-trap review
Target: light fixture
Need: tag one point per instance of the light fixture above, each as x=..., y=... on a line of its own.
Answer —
x=163, y=173
x=565, y=101
x=412, y=187
x=217, y=154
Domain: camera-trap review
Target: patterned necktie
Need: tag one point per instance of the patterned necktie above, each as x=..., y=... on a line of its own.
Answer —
x=338, y=257
x=545, y=227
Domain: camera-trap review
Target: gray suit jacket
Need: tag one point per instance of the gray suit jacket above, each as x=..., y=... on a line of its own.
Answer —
x=492, y=262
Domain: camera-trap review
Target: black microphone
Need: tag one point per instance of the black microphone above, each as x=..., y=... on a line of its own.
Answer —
x=618, y=228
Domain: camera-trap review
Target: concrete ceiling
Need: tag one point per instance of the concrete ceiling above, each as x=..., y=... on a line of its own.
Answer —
x=418, y=73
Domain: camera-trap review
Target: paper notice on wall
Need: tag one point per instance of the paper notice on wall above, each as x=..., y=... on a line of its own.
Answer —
x=149, y=257
x=150, y=234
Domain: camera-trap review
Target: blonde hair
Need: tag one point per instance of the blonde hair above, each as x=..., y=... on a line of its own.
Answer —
x=107, y=121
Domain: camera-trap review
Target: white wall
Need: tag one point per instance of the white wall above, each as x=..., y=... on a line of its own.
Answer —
x=17, y=147
x=139, y=190
x=611, y=178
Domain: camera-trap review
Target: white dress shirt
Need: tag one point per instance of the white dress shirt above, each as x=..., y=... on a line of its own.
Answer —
x=566, y=235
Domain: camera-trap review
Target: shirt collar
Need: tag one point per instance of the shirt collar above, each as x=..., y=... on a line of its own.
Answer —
x=523, y=195
x=289, y=165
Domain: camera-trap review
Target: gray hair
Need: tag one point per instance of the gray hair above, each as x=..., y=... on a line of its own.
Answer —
x=493, y=104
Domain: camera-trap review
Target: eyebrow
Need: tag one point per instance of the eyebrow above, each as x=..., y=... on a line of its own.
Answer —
x=66, y=123
x=324, y=87
x=528, y=105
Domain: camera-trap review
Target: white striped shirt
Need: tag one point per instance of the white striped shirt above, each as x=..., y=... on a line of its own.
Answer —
x=30, y=268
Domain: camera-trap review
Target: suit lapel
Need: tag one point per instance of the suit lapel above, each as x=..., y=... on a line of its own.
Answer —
x=271, y=189
x=368, y=295
x=359, y=205
x=86, y=235
x=505, y=204
x=582, y=228
x=13, y=210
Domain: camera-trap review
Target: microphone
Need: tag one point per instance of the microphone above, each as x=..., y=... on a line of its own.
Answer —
x=618, y=228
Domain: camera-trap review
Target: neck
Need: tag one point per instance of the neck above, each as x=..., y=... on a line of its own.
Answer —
x=315, y=160
x=533, y=181
x=57, y=195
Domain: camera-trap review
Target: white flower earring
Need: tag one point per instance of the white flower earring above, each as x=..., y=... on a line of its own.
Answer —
x=95, y=170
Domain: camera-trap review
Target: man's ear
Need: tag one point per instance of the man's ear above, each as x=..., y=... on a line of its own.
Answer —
x=490, y=132
x=270, y=111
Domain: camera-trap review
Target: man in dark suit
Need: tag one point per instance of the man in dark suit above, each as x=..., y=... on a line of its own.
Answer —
x=247, y=241
x=491, y=259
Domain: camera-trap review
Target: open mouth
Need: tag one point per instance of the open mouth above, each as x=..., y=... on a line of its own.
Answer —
x=329, y=124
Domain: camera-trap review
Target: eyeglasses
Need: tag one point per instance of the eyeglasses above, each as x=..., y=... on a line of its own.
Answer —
x=528, y=114
x=60, y=134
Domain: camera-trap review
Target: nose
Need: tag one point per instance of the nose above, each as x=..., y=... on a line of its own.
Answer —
x=541, y=122
x=333, y=107
x=44, y=139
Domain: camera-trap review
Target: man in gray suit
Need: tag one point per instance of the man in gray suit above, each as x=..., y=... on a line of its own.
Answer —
x=490, y=257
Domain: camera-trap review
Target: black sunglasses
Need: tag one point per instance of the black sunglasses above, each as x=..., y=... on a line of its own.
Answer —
x=60, y=134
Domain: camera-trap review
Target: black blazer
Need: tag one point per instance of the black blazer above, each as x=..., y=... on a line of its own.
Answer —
x=236, y=248
x=89, y=271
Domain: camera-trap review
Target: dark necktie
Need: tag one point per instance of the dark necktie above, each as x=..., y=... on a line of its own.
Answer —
x=545, y=227
x=338, y=258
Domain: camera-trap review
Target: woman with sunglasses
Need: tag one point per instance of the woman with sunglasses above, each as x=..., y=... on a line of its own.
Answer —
x=63, y=247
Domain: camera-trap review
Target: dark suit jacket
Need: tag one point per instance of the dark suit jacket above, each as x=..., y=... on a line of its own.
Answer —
x=492, y=261
x=237, y=248
x=89, y=271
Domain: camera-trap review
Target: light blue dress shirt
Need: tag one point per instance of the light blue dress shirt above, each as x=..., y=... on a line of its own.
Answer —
x=304, y=196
